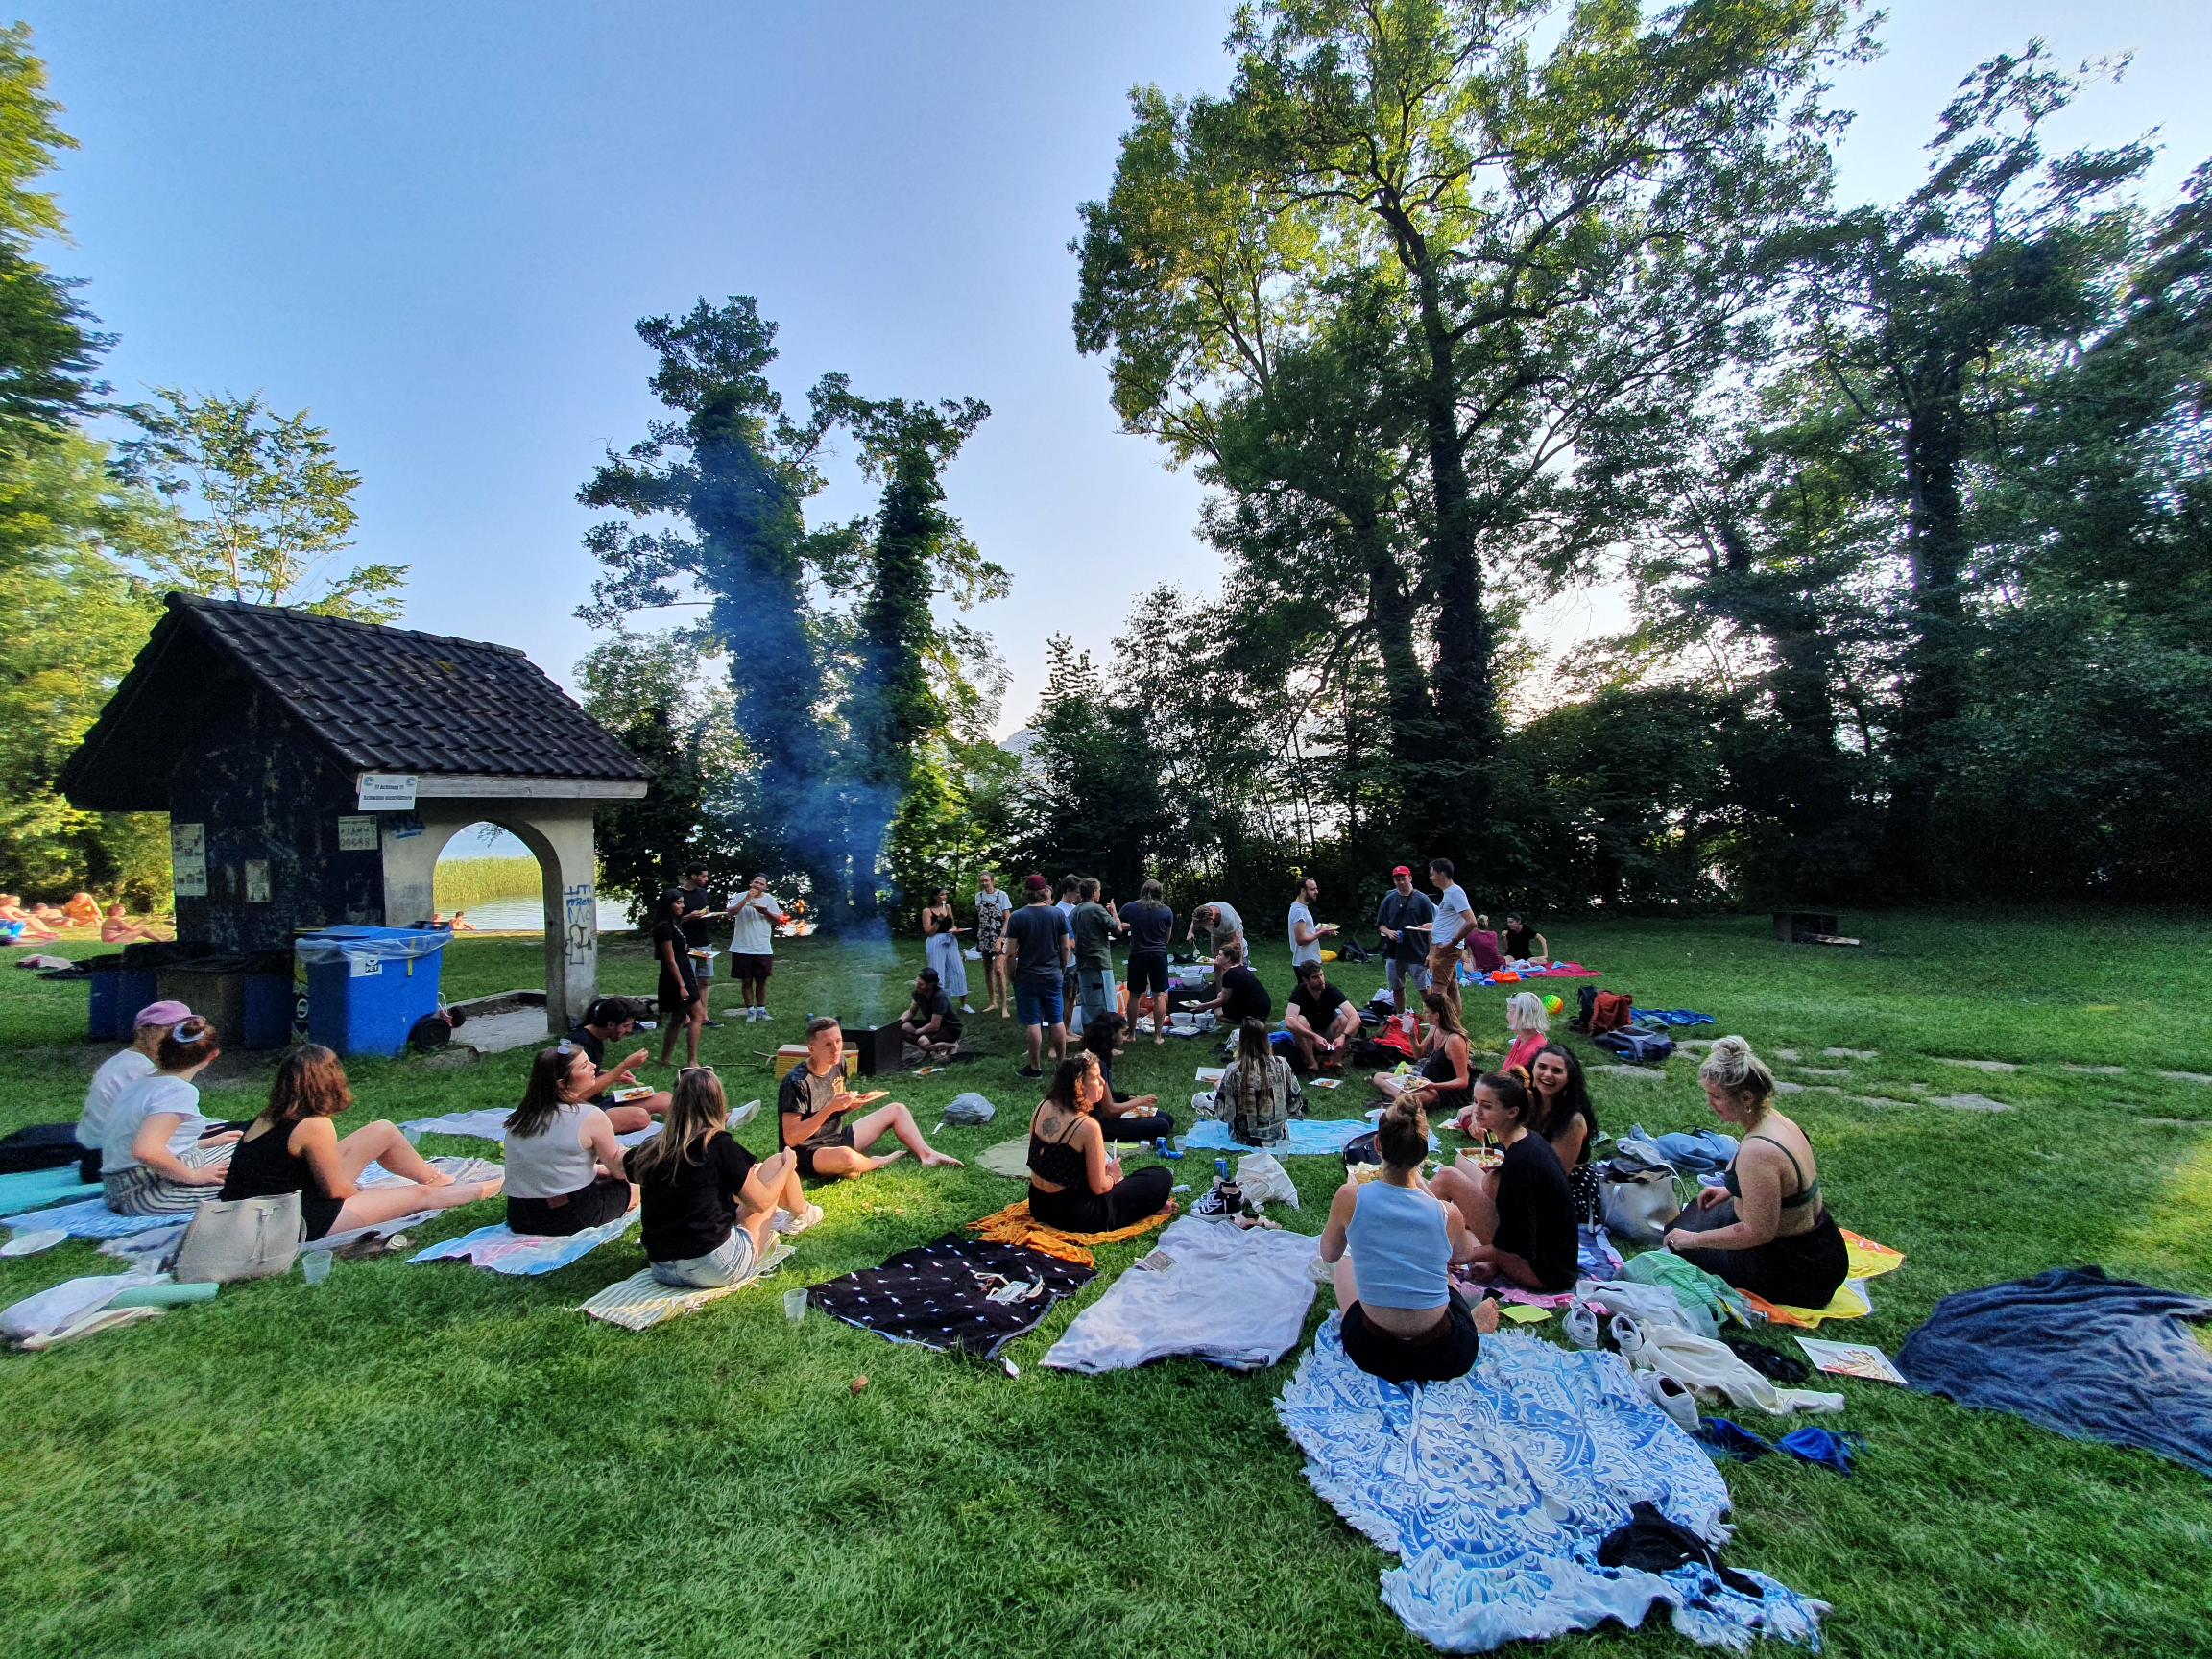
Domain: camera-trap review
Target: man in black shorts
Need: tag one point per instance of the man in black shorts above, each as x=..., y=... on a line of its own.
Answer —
x=1150, y=925
x=814, y=1101
x=930, y=1023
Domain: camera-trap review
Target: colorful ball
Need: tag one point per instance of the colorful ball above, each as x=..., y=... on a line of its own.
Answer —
x=1554, y=1003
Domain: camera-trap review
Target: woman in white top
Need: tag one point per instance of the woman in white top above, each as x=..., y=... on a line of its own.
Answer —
x=156, y=1156
x=117, y=1072
x=563, y=1165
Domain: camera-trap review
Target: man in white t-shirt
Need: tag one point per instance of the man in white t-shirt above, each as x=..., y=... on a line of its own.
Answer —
x=1306, y=934
x=1223, y=925
x=752, y=923
x=1455, y=917
x=119, y=1070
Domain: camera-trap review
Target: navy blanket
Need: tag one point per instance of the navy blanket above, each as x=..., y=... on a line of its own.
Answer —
x=2096, y=1358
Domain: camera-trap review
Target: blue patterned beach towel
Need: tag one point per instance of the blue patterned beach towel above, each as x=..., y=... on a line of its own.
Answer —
x=1496, y=1490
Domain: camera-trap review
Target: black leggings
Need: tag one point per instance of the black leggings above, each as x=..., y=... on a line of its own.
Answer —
x=1800, y=1270
x=1133, y=1198
x=1137, y=1126
x=577, y=1212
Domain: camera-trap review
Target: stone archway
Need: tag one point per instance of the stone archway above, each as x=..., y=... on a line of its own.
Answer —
x=559, y=835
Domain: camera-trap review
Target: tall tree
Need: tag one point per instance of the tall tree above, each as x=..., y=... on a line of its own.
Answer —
x=263, y=505
x=1917, y=312
x=715, y=501
x=1572, y=208
x=47, y=350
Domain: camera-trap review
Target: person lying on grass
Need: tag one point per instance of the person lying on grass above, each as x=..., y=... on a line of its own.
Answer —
x=1075, y=1183
x=1121, y=1116
x=812, y=1105
x=1764, y=1229
x=1442, y=1078
x=1520, y=1211
x=1393, y=1244
x=609, y=1019
x=294, y=1148
x=159, y=1155
x=563, y=1165
x=1321, y=1020
x=709, y=1205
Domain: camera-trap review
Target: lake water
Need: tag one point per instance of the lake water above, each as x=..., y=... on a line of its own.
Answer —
x=528, y=916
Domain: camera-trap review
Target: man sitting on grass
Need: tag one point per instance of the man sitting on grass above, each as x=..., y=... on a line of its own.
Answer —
x=610, y=1020
x=1321, y=1020
x=813, y=1102
x=930, y=1025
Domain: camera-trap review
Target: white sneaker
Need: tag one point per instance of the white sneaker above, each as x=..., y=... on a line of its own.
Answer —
x=789, y=1224
x=1671, y=1396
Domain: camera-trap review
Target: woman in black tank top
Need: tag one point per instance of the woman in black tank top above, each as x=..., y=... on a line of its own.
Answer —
x=293, y=1147
x=1073, y=1183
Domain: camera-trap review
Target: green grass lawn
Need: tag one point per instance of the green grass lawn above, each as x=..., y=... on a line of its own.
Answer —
x=437, y=1460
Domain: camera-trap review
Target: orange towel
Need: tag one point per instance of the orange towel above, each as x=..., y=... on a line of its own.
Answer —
x=1013, y=1225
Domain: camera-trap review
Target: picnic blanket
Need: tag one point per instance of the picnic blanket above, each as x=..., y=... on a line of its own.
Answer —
x=1867, y=1260
x=488, y=1123
x=1496, y=1490
x=1515, y=976
x=504, y=1250
x=640, y=1301
x=2091, y=1357
x=1015, y=1225
x=956, y=1293
x=1308, y=1138
x=42, y=1189
x=91, y=1218
x=1233, y=1297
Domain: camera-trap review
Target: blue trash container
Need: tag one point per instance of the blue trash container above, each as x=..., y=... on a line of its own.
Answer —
x=109, y=1021
x=367, y=986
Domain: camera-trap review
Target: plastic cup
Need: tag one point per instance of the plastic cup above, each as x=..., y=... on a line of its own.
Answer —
x=795, y=1303
x=315, y=1266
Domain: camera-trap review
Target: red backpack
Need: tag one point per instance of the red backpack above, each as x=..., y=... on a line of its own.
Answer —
x=1611, y=1011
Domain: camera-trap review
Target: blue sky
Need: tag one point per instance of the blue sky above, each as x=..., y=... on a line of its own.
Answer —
x=434, y=226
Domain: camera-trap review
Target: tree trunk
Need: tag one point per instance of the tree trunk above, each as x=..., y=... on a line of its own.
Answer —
x=1935, y=665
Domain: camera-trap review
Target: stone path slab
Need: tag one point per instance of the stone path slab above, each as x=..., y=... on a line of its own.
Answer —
x=2185, y=1077
x=1825, y=1071
x=1971, y=1104
x=1852, y=1053
x=2094, y=1071
x=1995, y=1066
x=1647, y=1073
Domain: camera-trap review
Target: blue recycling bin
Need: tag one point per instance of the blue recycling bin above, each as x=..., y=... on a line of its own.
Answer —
x=110, y=1021
x=367, y=986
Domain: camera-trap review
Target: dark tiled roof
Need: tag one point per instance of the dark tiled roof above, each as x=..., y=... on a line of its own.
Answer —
x=382, y=699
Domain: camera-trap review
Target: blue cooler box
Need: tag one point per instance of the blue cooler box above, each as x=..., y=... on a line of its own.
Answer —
x=367, y=986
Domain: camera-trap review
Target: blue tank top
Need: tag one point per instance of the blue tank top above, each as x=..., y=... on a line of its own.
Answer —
x=1400, y=1252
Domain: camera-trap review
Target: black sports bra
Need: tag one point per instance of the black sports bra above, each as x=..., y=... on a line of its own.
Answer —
x=1796, y=1200
x=1057, y=1161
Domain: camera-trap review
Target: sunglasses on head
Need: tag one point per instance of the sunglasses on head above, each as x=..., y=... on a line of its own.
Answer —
x=686, y=1070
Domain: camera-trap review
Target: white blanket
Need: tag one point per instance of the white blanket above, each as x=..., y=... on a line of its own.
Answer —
x=1210, y=1290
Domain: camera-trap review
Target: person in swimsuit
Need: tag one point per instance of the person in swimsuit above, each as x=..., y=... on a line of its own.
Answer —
x=1393, y=1244
x=294, y=1148
x=1764, y=1229
x=1075, y=1183
x=812, y=1104
x=1521, y=1211
x=1566, y=1117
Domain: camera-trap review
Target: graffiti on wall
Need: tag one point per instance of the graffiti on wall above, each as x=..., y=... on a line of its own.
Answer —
x=580, y=905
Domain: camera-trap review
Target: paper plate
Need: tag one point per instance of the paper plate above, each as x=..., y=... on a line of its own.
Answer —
x=31, y=1243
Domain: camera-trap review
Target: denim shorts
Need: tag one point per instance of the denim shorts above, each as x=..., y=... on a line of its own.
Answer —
x=1038, y=1004
x=726, y=1264
x=1398, y=972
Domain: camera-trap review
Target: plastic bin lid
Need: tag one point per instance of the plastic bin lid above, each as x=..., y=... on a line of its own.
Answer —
x=343, y=944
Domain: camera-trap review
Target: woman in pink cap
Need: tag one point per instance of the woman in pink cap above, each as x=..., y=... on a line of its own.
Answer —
x=117, y=1072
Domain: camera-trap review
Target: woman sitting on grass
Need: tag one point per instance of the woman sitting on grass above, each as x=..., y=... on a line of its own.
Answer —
x=294, y=1148
x=1121, y=1116
x=1074, y=1184
x=1764, y=1229
x=1259, y=1094
x=1520, y=1211
x=1393, y=1244
x=159, y=1156
x=1566, y=1117
x=1443, y=1079
x=709, y=1204
x=1530, y=1027
x=563, y=1165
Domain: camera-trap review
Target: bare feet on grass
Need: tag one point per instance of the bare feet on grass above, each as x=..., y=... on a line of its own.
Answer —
x=1487, y=1315
x=874, y=1163
x=940, y=1161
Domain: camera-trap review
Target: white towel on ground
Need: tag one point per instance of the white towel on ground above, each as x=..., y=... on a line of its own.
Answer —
x=1214, y=1290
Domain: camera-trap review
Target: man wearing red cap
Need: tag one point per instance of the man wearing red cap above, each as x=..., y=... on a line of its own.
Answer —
x=1404, y=920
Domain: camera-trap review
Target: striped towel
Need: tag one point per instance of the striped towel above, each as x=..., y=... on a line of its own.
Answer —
x=640, y=1301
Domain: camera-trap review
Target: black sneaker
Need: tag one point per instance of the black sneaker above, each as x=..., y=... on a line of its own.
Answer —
x=1030, y=1072
x=715, y=1023
x=1215, y=1205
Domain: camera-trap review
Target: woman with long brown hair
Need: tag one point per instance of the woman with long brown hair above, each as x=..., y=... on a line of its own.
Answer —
x=709, y=1204
x=294, y=1148
x=563, y=1165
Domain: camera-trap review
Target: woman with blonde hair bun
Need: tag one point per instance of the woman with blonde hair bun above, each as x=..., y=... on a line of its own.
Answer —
x=1764, y=1229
